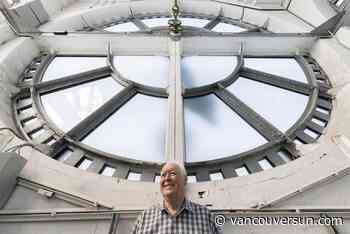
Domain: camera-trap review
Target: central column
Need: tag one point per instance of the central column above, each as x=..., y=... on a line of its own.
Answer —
x=175, y=139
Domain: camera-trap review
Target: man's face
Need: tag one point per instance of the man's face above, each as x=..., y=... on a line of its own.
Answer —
x=171, y=181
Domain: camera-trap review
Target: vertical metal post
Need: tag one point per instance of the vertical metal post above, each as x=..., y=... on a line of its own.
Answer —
x=175, y=139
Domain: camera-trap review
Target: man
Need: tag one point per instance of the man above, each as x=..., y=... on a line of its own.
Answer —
x=177, y=215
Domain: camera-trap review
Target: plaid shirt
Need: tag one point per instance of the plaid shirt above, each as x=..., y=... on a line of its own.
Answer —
x=191, y=219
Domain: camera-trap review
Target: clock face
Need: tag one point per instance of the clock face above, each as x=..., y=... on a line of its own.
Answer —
x=240, y=110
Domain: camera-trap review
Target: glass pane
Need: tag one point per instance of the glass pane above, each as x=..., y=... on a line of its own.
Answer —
x=191, y=179
x=123, y=27
x=284, y=156
x=280, y=107
x=242, y=171
x=216, y=176
x=137, y=130
x=285, y=67
x=66, y=108
x=66, y=66
x=134, y=176
x=156, y=22
x=108, y=171
x=318, y=122
x=146, y=70
x=193, y=22
x=223, y=27
x=265, y=164
x=213, y=130
x=84, y=164
x=64, y=156
x=195, y=72
x=157, y=179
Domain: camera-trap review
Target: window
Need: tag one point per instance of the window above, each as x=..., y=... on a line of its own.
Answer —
x=64, y=156
x=242, y=171
x=134, y=176
x=265, y=164
x=108, y=171
x=84, y=163
x=216, y=176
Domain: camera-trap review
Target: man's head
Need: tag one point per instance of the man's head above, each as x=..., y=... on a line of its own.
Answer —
x=173, y=178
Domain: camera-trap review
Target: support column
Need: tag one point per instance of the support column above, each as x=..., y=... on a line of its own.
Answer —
x=175, y=139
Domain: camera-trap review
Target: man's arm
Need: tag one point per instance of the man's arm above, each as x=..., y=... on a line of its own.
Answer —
x=137, y=226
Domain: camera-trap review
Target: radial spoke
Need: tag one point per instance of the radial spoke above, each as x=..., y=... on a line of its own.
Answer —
x=260, y=124
x=277, y=81
x=101, y=114
x=211, y=24
x=73, y=80
x=141, y=25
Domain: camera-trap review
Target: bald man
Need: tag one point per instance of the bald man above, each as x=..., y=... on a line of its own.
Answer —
x=177, y=214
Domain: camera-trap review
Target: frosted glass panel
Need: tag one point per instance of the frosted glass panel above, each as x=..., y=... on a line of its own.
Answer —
x=213, y=130
x=156, y=22
x=137, y=130
x=134, y=176
x=202, y=70
x=66, y=108
x=216, y=176
x=66, y=66
x=108, y=171
x=147, y=70
x=265, y=164
x=286, y=67
x=242, y=171
x=191, y=179
x=65, y=155
x=123, y=27
x=85, y=164
x=280, y=107
x=222, y=27
x=193, y=22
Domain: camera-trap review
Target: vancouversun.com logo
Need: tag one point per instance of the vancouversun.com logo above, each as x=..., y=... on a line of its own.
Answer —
x=221, y=220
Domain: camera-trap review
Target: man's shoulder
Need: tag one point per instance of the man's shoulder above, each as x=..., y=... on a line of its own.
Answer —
x=198, y=207
x=152, y=210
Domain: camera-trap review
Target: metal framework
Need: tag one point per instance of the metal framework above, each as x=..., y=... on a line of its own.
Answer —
x=278, y=143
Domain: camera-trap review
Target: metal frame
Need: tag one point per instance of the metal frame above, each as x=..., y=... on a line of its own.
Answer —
x=277, y=140
x=316, y=89
x=136, y=19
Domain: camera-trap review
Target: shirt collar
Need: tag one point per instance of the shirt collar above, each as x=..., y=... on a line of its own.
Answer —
x=186, y=205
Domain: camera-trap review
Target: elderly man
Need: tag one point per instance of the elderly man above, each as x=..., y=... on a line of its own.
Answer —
x=177, y=215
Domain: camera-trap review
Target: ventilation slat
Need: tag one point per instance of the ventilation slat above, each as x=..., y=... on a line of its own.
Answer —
x=315, y=127
x=276, y=159
x=32, y=127
x=45, y=137
x=324, y=104
x=76, y=156
x=253, y=166
x=304, y=137
x=321, y=116
x=96, y=166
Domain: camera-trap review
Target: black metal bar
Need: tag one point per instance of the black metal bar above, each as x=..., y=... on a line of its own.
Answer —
x=142, y=26
x=315, y=127
x=278, y=81
x=211, y=24
x=73, y=80
x=260, y=124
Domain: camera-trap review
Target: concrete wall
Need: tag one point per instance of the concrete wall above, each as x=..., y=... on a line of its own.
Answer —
x=315, y=12
x=55, y=7
x=15, y=56
x=280, y=21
